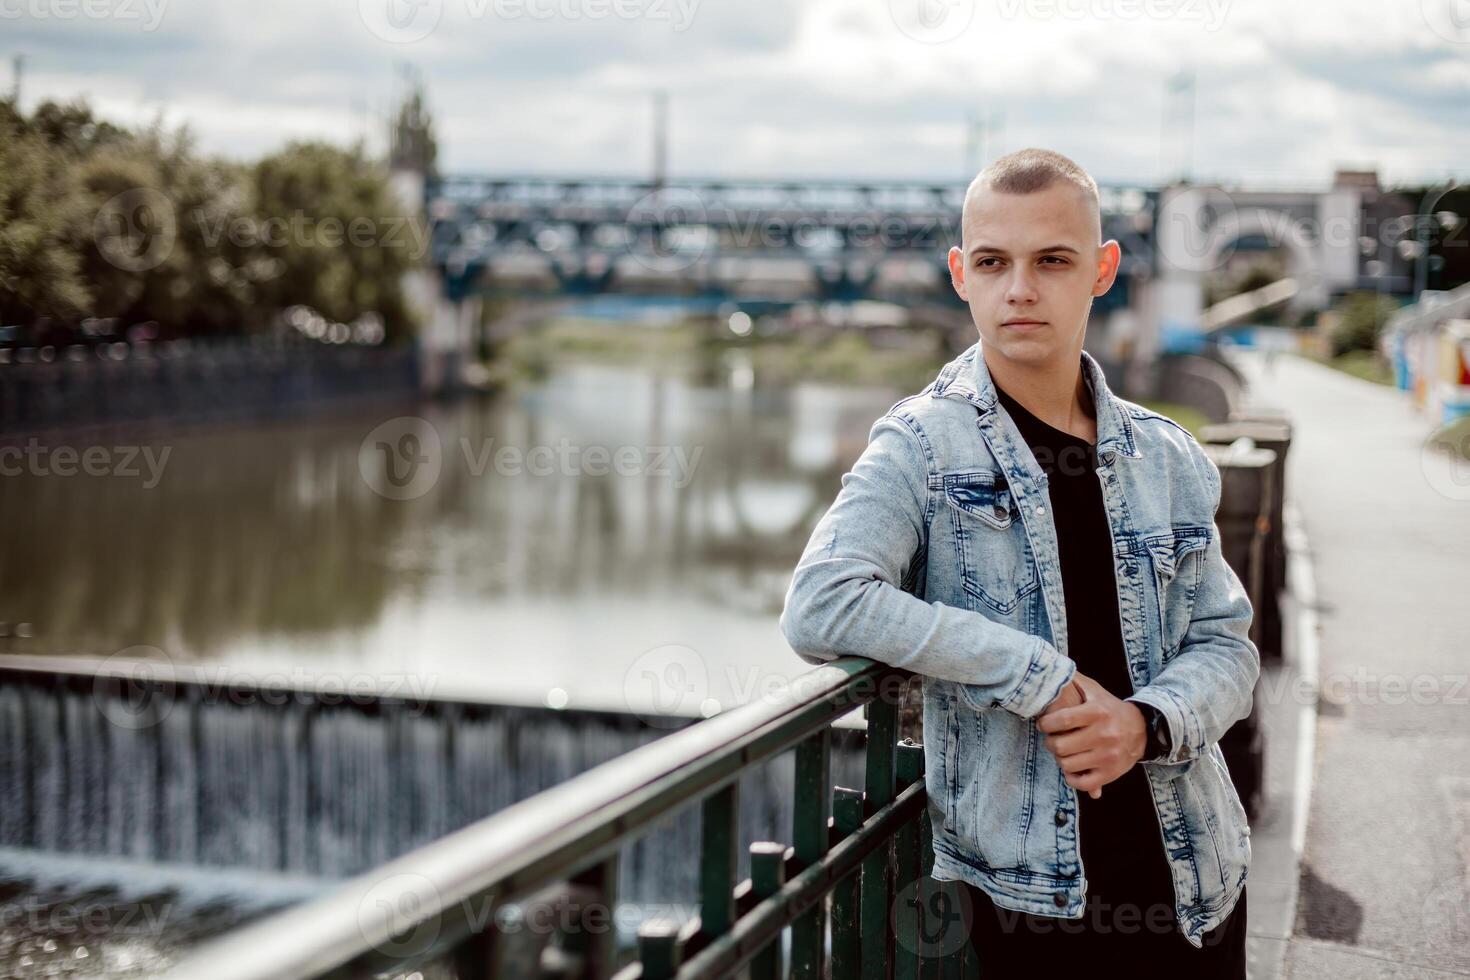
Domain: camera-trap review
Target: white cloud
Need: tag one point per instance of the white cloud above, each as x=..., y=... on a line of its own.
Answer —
x=766, y=87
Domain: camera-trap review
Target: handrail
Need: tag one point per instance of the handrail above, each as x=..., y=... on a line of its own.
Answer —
x=441, y=898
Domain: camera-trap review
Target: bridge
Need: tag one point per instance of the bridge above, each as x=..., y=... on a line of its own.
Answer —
x=771, y=244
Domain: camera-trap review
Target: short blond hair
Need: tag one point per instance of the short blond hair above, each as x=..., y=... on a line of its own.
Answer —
x=1033, y=169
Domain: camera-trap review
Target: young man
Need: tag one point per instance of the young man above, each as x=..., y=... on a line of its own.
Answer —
x=1046, y=555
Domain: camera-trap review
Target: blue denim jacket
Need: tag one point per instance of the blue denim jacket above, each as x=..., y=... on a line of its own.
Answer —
x=939, y=555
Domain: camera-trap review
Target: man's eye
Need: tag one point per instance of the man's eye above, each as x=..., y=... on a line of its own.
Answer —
x=981, y=264
x=1057, y=257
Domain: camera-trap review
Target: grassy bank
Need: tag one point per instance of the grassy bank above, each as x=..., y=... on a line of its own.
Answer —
x=844, y=357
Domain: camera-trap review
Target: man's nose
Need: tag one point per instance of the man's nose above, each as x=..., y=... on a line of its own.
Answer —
x=1022, y=286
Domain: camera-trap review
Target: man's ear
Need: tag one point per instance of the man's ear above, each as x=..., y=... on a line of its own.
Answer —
x=1109, y=257
x=957, y=272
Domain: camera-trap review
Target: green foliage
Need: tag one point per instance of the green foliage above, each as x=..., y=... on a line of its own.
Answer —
x=340, y=239
x=98, y=221
x=40, y=274
x=1363, y=315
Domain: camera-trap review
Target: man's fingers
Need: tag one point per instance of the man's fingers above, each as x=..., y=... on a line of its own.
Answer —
x=1090, y=782
x=1082, y=762
x=1064, y=719
x=1069, y=743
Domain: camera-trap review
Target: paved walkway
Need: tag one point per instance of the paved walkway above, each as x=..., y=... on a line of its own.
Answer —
x=1384, y=890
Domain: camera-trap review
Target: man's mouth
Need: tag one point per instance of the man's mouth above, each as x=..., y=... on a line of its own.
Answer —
x=1023, y=324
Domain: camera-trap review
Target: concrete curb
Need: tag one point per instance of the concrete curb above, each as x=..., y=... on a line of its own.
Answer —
x=1290, y=719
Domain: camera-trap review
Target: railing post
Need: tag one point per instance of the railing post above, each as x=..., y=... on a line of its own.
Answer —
x=847, y=816
x=658, y=948
x=882, y=739
x=477, y=958
x=809, y=837
x=598, y=944
x=907, y=864
x=767, y=875
x=719, y=849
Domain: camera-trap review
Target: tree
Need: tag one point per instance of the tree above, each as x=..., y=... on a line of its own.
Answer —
x=40, y=273
x=342, y=241
x=413, y=146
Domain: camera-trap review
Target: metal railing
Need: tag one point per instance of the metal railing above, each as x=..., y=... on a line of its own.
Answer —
x=861, y=848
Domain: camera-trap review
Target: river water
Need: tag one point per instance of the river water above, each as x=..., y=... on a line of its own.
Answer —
x=613, y=537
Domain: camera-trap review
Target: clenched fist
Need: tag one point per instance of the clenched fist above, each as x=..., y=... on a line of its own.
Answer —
x=1095, y=736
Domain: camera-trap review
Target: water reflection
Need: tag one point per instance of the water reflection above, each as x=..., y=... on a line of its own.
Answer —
x=272, y=546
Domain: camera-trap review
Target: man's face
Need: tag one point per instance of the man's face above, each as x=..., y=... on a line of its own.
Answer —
x=1029, y=267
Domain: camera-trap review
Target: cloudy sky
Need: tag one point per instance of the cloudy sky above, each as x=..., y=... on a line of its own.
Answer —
x=1285, y=92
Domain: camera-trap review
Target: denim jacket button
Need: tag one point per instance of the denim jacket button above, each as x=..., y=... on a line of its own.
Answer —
x=1061, y=899
x=1040, y=510
x=1061, y=817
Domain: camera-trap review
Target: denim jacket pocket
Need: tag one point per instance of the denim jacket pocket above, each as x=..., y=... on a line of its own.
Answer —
x=995, y=558
x=1176, y=555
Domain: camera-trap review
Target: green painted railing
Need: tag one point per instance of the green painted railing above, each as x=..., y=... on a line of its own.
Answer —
x=868, y=850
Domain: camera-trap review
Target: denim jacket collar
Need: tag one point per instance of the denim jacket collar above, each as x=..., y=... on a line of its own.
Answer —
x=967, y=377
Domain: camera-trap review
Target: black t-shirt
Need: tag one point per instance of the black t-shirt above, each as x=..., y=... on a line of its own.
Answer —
x=1120, y=838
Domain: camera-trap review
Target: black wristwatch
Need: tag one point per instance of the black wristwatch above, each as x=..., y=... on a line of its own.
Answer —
x=1159, y=743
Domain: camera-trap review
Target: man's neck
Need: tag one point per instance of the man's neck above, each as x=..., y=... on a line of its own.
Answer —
x=1056, y=392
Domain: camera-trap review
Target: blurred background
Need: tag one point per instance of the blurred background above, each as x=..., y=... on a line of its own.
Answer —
x=496, y=357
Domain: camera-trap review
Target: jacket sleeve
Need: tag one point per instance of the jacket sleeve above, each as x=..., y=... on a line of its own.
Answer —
x=1209, y=685
x=846, y=596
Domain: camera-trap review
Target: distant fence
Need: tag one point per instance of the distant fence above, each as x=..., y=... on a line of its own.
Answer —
x=233, y=380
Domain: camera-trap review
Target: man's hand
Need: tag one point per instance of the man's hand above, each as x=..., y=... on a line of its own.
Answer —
x=1097, y=740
